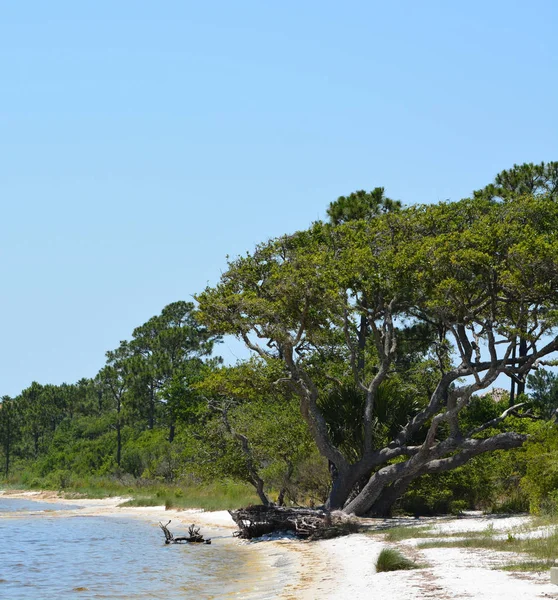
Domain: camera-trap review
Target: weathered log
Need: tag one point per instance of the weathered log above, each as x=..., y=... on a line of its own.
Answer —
x=305, y=523
x=194, y=535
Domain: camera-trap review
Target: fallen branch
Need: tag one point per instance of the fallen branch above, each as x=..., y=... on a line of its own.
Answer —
x=194, y=535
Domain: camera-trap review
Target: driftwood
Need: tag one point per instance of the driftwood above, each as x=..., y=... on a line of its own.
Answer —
x=312, y=524
x=194, y=535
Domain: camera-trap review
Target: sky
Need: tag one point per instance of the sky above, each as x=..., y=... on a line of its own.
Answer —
x=143, y=142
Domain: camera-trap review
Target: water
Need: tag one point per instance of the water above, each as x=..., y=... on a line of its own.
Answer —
x=45, y=554
x=8, y=505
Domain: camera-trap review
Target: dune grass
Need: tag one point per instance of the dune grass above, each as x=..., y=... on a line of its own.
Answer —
x=390, y=559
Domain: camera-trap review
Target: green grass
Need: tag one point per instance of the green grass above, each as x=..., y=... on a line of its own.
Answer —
x=539, y=551
x=212, y=496
x=391, y=559
x=528, y=565
x=396, y=534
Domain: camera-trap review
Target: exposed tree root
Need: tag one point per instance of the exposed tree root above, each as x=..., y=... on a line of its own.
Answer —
x=311, y=524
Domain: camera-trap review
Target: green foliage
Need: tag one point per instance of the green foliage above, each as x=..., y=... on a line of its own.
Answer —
x=391, y=559
x=525, y=179
x=223, y=495
x=310, y=482
x=343, y=407
x=361, y=205
x=540, y=481
x=481, y=409
x=253, y=430
x=458, y=507
x=544, y=392
x=322, y=301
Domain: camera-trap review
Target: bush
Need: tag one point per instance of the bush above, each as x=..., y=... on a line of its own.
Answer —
x=391, y=559
x=516, y=502
x=426, y=500
x=457, y=507
x=311, y=481
x=540, y=481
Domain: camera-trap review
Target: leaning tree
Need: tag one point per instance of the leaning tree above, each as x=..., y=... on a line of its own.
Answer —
x=476, y=275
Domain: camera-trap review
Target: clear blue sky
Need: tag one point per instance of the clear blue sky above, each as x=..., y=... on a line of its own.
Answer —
x=141, y=142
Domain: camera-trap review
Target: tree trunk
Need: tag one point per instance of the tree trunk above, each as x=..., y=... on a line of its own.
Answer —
x=384, y=504
x=283, y=490
x=512, y=384
x=522, y=354
x=171, y=433
x=259, y=485
x=437, y=460
x=118, y=442
x=151, y=417
x=362, y=332
x=341, y=487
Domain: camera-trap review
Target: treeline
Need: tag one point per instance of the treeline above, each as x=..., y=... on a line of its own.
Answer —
x=163, y=410
x=375, y=337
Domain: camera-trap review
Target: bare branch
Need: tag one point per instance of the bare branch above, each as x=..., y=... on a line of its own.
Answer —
x=493, y=422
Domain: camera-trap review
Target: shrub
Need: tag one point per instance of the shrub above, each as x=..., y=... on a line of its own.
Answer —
x=540, y=481
x=457, y=507
x=516, y=502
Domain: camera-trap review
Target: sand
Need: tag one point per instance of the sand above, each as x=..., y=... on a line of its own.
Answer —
x=343, y=568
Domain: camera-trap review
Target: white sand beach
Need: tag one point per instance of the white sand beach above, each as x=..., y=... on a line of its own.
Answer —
x=343, y=568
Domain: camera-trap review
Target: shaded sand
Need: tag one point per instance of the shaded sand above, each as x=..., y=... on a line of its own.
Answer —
x=343, y=568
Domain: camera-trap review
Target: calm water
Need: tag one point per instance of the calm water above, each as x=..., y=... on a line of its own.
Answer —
x=45, y=554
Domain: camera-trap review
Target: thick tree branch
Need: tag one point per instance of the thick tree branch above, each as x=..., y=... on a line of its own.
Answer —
x=436, y=458
x=308, y=394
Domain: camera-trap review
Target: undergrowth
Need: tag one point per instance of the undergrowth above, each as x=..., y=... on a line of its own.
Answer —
x=215, y=496
x=221, y=495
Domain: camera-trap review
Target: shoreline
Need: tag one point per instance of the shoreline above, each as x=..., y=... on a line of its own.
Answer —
x=344, y=567
x=272, y=562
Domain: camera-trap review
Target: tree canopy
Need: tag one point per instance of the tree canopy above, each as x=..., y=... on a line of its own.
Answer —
x=473, y=275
